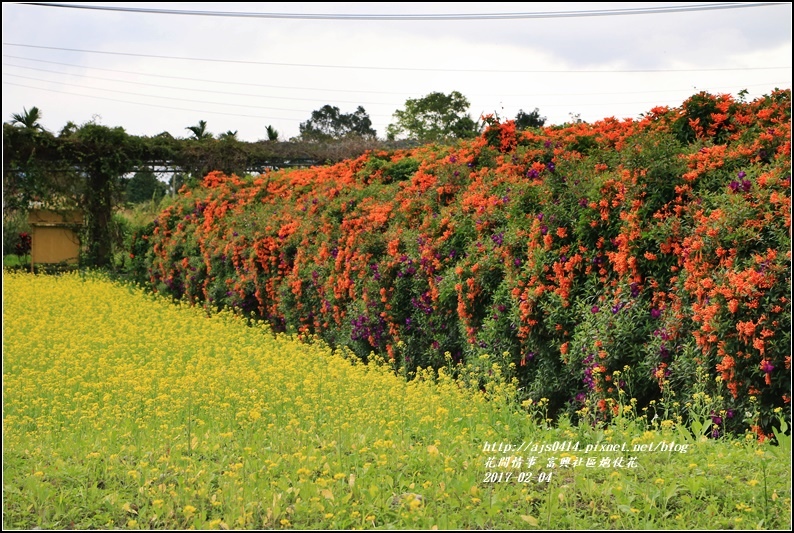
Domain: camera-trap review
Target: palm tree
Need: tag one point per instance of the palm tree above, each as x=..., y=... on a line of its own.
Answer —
x=272, y=134
x=200, y=130
x=28, y=119
x=229, y=135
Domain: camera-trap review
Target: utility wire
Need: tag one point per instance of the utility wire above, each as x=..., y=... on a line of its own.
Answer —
x=623, y=103
x=204, y=80
x=401, y=69
x=144, y=84
x=181, y=99
x=247, y=115
x=421, y=16
x=347, y=91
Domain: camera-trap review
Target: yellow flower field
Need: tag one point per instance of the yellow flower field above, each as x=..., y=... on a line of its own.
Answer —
x=122, y=410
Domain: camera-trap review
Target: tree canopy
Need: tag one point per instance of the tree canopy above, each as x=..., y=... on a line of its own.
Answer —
x=529, y=120
x=329, y=123
x=28, y=119
x=434, y=118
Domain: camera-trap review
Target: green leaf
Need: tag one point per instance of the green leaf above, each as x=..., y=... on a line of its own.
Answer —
x=531, y=520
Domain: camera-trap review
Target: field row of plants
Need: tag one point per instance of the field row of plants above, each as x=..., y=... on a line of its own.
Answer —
x=624, y=260
x=122, y=410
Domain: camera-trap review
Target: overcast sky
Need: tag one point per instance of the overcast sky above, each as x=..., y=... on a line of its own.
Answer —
x=245, y=73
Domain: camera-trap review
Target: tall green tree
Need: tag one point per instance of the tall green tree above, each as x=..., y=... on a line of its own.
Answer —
x=328, y=124
x=529, y=120
x=144, y=186
x=272, y=133
x=200, y=130
x=28, y=119
x=433, y=118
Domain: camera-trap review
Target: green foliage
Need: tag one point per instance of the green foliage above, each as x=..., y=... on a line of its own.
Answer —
x=28, y=119
x=529, y=120
x=328, y=123
x=199, y=131
x=434, y=118
x=387, y=171
x=14, y=223
x=144, y=186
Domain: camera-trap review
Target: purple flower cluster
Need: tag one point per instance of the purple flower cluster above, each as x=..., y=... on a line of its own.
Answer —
x=588, y=371
x=423, y=303
x=410, y=270
x=375, y=273
x=364, y=328
x=635, y=290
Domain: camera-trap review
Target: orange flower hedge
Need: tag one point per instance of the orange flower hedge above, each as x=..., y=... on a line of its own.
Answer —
x=606, y=261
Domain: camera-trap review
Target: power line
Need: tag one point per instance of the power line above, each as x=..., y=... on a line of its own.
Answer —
x=247, y=115
x=347, y=91
x=401, y=69
x=204, y=80
x=543, y=105
x=425, y=17
x=144, y=84
x=182, y=99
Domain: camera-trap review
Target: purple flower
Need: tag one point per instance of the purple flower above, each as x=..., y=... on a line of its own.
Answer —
x=540, y=217
x=734, y=185
x=583, y=202
x=594, y=309
x=664, y=352
x=746, y=185
x=532, y=173
x=767, y=366
x=729, y=413
x=656, y=313
x=547, y=144
x=550, y=166
x=544, y=230
x=635, y=290
x=453, y=159
x=741, y=174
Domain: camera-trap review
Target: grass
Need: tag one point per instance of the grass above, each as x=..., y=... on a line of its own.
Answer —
x=122, y=410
